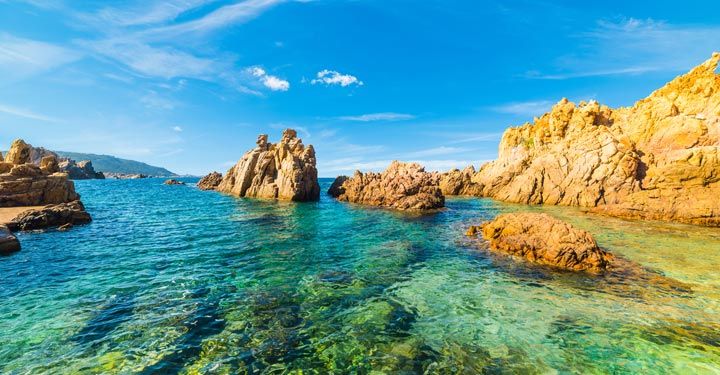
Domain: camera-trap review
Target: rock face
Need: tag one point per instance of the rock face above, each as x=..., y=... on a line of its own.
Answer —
x=402, y=186
x=285, y=170
x=457, y=182
x=60, y=215
x=210, y=182
x=659, y=159
x=25, y=184
x=8, y=242
x=82, y=170
x=542, y=239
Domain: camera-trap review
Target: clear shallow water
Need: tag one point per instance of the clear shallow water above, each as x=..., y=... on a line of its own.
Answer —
x=169, y=279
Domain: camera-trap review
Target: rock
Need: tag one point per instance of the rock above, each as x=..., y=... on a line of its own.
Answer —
x=457, y=182
x=402, y=186
x=125, y=176
x=542, y=239
x=8, y=242
x=59, y=215
x=82, y=170
x=49, y=164
x=659, y=159
x=210, y=182
x=19, y=152
x=285, y=171
x=173, y=182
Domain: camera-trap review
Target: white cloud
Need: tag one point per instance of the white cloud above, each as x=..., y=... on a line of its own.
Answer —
x=631, y=47
x=331, y=77
x=26, y=113
x=436, y=151
x=529, y=108
x=152, y=13
x=385, y=116
x=21, y=58
x=272, y=82
x=177, y=129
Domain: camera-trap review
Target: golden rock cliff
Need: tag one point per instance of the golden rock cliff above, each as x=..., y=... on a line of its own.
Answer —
x=659, y=159
x=285, y=170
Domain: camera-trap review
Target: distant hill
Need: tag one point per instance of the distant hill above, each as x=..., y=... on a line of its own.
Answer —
x=111, y=164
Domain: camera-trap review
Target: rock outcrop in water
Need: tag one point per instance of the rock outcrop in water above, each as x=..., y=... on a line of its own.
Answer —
x=173, y=182
x=26, y=184
x=659, y=159
x=210, y=182
x=402, y=186
x=542, y=239
x=285, y=170
x=63, y=215
x=8, y=242
x=82, y=170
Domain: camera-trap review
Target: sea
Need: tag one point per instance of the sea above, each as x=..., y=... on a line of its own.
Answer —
x=174, y=280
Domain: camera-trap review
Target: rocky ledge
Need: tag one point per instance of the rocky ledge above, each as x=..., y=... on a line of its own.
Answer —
x=659, y=159
x=8, y=242
x=63, y=216
x=402, y=186
x=285, y=170
x=25, y=184
x=210, y=182
x=542, y=239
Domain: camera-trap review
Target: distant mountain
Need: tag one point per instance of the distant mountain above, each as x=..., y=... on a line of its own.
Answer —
x=111, y=164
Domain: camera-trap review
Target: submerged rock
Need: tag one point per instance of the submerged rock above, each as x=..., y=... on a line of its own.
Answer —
x=285, y=170
x=542, y=239
x=173, y=182
x=59, y=215
x=8, y=242
x=210, y=182
x=659, y=159
x=402, y=186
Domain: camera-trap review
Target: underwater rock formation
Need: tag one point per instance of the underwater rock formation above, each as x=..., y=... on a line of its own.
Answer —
x=285, y=170
x=659, y=159
x=63, y=215
x=210, y=182
x=542, y=239
x=402, y=186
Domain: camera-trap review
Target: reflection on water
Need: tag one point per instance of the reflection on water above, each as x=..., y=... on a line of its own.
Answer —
x=169, y=279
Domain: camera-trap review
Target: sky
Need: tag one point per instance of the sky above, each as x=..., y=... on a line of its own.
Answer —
x=189, y=84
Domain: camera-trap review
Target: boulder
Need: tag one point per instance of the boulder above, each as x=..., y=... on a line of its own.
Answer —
x=285, y=170
x=8, y=242
x=210, y=182
x=82, y=170
x=59, y=215
x=173, y=182
x=49, y=164
x=658, y=159
x=542, y=239
x=19, y=152
x=402, y=186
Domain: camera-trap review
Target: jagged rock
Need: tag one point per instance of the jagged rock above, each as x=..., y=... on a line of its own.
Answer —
x=284, y=171
x=125, y=176
x=82, y=170
x=173, y=182
x=658, y=159
x=210, y=182
x=49, y=164
x=19, y=152
x=59, y=215
x=402, y=186
x=8, y=242
x=542, y=239
x=457, y=182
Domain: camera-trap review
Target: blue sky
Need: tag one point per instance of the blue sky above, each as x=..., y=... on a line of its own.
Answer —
x=188, y=84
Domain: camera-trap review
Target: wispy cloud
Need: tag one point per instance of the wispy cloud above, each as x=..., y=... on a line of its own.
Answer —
x=177, y=129
x=154, y=100
x=529, y=108
x=272, y=82
x=331, y=77
x=385, y=116
x=631, y=46
x=147, y=14
x=21, y=57
x=435, y=151
x=26, y=113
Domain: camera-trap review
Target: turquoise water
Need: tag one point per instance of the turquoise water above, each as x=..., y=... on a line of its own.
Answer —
x=170, y=279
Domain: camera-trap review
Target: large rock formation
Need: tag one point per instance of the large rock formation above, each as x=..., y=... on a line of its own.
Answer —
x=210, y=182
x=25, y=153
x=659, y=159
x=82, y=170
x=59, y=215
x=542, y=239
x=402, y=186
x=284, y=171
x=457, y=182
